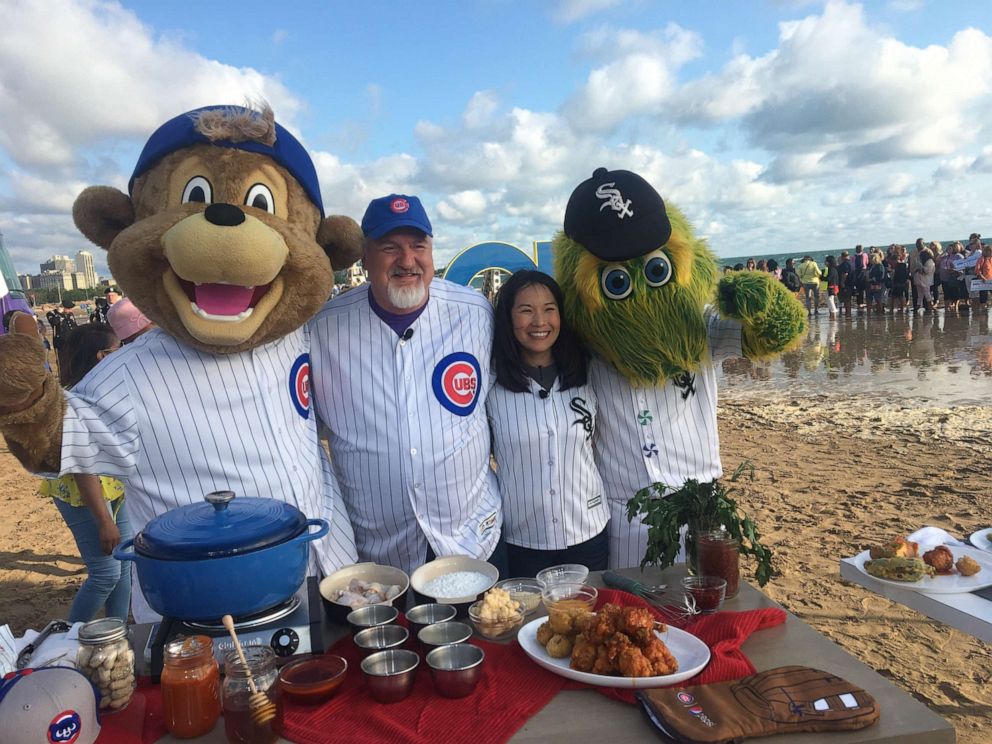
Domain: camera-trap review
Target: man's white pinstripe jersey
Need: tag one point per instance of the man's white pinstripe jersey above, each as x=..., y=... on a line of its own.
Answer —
x=665, y=434
x=551, y=490
x=175, y=423
x=408, y=430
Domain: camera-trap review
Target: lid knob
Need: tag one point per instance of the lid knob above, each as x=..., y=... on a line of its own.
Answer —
x=219, y=499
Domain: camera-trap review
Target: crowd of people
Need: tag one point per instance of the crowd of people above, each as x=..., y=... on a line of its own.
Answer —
x=926, y=277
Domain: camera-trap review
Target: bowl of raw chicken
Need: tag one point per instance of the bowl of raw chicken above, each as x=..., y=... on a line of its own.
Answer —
x=360, y=585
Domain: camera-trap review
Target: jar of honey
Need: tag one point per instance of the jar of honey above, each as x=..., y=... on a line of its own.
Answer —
x=244, y=722
x=718, y=554
x=190, y=687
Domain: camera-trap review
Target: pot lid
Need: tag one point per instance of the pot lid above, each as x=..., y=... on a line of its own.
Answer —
x=220, y=526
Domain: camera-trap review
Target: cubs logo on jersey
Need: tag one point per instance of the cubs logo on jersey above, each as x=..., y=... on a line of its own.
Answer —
x=299, y=385
x=456, y=381
x=64, y=728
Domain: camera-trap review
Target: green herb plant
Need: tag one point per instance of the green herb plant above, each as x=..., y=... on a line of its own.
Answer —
x=700, y=507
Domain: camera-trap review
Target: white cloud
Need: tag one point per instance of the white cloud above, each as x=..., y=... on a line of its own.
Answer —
x=570, y=11
x=75, y=73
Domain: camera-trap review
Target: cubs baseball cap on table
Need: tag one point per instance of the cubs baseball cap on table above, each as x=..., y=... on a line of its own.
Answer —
x=388, y=213
x=617, y=215
x=51, y=705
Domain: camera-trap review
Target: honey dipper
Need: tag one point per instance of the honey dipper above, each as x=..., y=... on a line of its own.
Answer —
x=263, y=710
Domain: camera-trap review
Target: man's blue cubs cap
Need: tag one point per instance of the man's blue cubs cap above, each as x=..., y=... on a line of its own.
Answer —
x=50, y=704
x=388, y=213
x=181, y=132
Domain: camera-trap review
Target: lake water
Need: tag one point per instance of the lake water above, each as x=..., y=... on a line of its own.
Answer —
x=922, y=359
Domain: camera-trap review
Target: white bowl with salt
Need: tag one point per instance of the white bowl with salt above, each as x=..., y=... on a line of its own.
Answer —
x=454, y=580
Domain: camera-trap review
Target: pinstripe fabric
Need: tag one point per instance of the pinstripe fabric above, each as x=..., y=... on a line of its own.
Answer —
x=175, y=423
x=551, y=490
x=663, y=434
x=411, y=471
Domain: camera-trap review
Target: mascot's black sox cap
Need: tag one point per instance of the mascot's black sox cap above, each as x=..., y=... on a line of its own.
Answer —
x=616, y=216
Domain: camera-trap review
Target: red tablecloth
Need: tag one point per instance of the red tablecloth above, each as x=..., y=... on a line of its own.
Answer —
x=512, y=689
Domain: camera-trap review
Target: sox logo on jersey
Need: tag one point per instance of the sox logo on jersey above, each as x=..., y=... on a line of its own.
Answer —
x=299, y=385
x=456, y=382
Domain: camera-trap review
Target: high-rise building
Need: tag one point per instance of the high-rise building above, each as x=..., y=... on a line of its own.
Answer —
x=84, y=264
x=79, y=280
x=62, y=264
x=52, y=279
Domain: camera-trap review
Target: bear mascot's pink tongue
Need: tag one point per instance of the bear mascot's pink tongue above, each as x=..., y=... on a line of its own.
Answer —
x=224, y=299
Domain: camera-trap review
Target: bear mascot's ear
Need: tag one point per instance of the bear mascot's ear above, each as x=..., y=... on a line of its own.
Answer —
x=342, y=240
x=101, y=213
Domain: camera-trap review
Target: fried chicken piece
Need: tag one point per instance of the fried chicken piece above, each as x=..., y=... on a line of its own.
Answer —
x=583, y=654
x=561, y=622
x=633, y=663
x=603, y=663
x=662, y=660
x=559, y=647
x=583, y=621
x=940, y=558
x=968, y=566
x=638, y=623
x=606, y=624
x=544, y=633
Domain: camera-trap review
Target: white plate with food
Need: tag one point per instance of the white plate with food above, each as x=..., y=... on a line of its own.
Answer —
x=982, y=539
x=953, y=583
x=690, y=652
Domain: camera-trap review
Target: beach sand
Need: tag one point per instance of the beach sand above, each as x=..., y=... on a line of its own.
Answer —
x=832, y=477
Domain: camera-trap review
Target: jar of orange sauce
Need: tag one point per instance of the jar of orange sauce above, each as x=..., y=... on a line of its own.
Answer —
x=190, y=687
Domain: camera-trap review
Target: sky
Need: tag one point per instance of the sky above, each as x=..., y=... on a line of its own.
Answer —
x=775, y=126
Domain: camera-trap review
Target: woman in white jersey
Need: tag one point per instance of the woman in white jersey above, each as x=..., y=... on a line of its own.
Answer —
x=542, y=413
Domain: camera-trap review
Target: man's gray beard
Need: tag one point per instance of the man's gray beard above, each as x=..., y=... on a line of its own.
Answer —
x=406, y=298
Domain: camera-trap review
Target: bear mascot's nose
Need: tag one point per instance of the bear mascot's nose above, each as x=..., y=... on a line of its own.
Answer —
x=224, y=215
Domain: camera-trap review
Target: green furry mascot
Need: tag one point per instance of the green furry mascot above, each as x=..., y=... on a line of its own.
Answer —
x=642, y=291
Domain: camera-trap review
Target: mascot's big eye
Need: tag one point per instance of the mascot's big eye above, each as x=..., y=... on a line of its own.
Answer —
x=260, y=197
x=198, y=190
x=657, y=269
x=615, y=282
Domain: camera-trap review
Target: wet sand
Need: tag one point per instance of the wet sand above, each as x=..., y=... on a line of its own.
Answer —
x=861, y=435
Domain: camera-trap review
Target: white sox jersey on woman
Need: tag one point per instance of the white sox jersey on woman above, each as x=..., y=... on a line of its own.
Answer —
x=408, y=430
x=552, y=493
x=665, y=434
x=175, y=423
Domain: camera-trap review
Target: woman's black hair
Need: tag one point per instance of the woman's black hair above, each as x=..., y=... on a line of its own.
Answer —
x=78, y=354
x=738, y=267
x=570, y=356
x=830, y=261
x=772, y=264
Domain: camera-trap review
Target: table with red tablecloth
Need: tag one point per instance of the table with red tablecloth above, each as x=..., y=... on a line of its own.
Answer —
x=517, y=700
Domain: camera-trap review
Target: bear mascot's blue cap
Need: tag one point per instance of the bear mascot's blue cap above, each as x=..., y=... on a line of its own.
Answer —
x=182, y=132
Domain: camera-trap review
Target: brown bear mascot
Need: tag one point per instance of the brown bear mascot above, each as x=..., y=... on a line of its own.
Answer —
x=222, y=242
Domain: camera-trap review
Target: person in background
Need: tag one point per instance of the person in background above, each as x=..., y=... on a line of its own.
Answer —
x=790, y=278
x=809, y=275
x=542, y=414
x=93, y=506
x=845, y=273
x=63, y=321
x=914, y=266
x=773, y=268
x=127, y=321
x=761, y=266
x=833, y=286
x=860, y=263
x=937, y=250
x=876, y=283
x=983, y=272
x=974, y=245
x=738, y=267
x=751, y=265
x=900, y=280
x=923, y=279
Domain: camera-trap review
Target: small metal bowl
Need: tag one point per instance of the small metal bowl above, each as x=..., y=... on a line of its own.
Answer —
x=456, y=669
x=390, y=674
x=371, y=616
x=443, y=634
x=421, y=616
x=380, y=638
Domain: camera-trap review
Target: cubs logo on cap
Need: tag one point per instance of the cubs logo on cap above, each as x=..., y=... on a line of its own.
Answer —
x=299, y=385
x=65, y=728
x=53, y=705
x=400, y=205
x=388, y=213
x=456, y=381
x=685, y=698
x=617, y=216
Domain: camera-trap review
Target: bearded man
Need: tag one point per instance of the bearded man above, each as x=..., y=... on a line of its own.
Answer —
x=400, y=365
